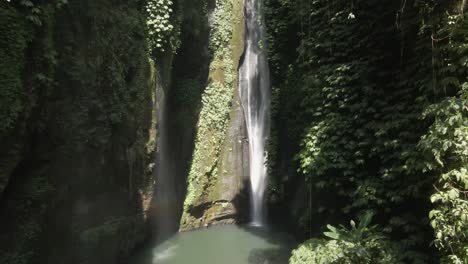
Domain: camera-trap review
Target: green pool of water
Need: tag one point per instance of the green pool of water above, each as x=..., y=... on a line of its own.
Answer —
x=221, y=245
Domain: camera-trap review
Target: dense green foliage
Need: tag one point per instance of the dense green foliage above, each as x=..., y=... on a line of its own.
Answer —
x=360, y=244
x=162, y=26
x=115, y=84
x=22, y=24
x=373, y=105
x=370, y=117
x=25, y=75
x=74, y=91
x=13, y=40
x=446, y=142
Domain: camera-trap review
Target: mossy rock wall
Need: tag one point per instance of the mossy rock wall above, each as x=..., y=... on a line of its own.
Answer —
x=79, y=125
x=180, y=103
x=214, y=184
x=76, y=89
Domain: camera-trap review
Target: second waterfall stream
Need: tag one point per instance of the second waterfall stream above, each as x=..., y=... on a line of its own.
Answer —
x=255, y=93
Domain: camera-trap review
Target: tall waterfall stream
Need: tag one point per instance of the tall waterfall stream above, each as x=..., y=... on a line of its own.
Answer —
x=254, y=90
x=168, y=195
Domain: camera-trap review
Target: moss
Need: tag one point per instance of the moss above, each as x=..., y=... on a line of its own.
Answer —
x=28, y=60
x=26, y=65
x=79, y=82
x=151, y=143
x=225, y=166
x=14, y=39
x=108, y=78
x=28, y=210
x=216, y=106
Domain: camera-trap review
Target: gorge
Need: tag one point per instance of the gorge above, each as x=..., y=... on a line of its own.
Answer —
x=233, y=131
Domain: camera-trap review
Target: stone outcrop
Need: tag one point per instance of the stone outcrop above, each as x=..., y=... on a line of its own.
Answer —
x=216, y=182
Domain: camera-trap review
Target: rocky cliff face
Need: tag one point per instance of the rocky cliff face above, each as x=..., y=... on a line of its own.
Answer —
x=216, y=190
x=74, y=179
x=186, y=80
x=79, y=128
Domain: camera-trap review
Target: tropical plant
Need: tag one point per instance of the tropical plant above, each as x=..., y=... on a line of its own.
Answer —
x=362, y=243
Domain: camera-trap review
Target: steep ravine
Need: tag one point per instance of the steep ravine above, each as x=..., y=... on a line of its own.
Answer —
x=86, y=135
x=75, y=183
x=124, y=124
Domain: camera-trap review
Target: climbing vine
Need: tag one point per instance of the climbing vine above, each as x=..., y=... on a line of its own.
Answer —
x=162, y=24
x=446, y=143
x=373, y=106
x=24, y=24
x=55, y=88
x=14, y=39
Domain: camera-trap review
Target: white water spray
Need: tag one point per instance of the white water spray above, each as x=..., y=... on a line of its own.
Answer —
x=254, y=90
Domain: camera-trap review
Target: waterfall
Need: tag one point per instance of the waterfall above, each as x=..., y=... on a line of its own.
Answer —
x=169, y=190
x=254, y=90
x=165, y=193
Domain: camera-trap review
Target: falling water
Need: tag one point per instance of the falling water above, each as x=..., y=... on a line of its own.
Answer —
x=169, y=191
x=166, y=192
x=254, y=89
